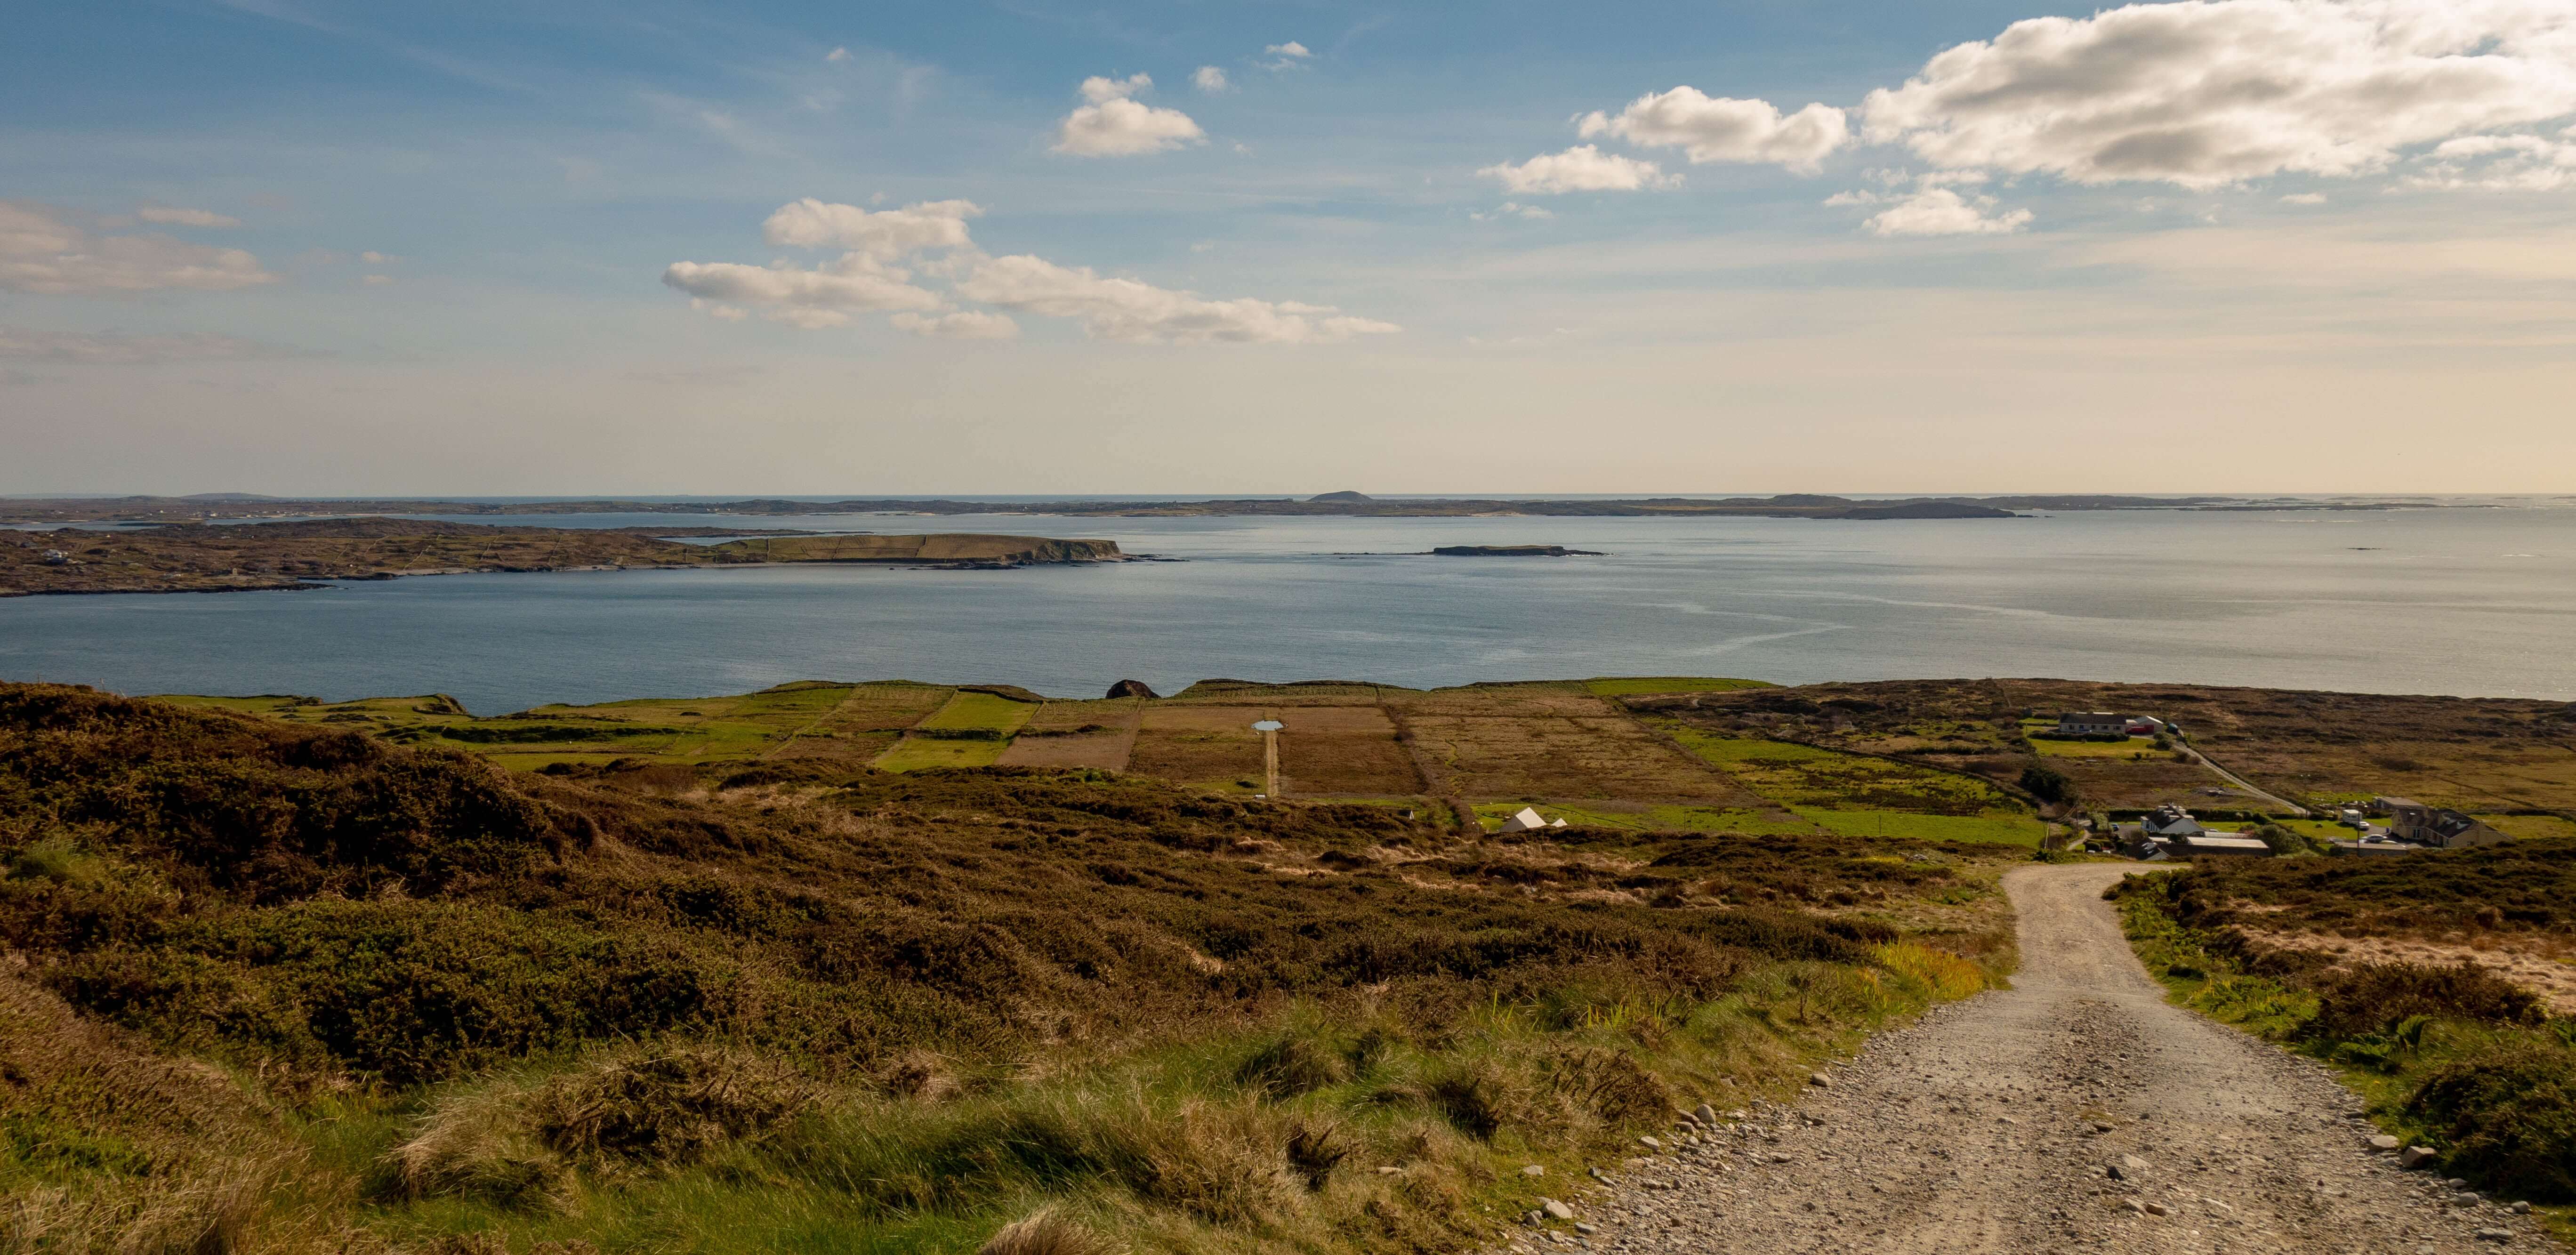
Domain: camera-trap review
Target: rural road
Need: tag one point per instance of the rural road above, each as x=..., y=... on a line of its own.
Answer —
x=2246, y=785
x=1988, y=1126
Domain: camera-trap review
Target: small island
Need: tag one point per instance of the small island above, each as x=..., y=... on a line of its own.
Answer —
x=1512, y=551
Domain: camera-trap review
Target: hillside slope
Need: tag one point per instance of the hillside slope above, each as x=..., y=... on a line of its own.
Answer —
x=394, y=998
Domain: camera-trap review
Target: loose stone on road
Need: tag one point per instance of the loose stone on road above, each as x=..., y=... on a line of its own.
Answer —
x=2076, y=1111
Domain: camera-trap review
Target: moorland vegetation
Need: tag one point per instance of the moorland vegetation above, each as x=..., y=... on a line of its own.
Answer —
x=291, y=986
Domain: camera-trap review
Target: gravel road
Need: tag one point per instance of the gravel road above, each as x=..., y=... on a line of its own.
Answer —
x=2077, y=1111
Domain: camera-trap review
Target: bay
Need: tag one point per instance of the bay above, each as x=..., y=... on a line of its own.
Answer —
x=2473, y=602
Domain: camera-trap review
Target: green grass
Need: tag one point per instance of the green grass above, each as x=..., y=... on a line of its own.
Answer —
x=1661, y=818
x=1803, y=777
x=980, y=710
x=2531, y=827
x=2134, y=747
x=2002, y=827
x=1639, y=685
x=916, y=753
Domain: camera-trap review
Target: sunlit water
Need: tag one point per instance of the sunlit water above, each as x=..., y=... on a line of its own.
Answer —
x=2472, y=602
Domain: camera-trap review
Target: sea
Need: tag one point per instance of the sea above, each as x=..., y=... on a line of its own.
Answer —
x=2469, y=601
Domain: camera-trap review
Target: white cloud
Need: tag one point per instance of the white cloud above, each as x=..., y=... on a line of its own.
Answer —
x=1098, y=89
x=1938, y=211
x=2206, y=93
x=885, y=234
x=837, y=55
x=2498, y=163
x=1289, y=49
x=1133, y=312
x=1583, y=168
x=1719, y=128
x=376, y=281
x=1211, y=80
x=1116, y=125
x=43, y=252
x=169, y=216
x=2304, y=198
x=965, y=324
x=374, y=258
x=1512, y=209
x=111, y=349
x=865, y=279
x=807, y=298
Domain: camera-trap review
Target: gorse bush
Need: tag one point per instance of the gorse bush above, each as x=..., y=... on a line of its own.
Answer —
x=2372, y=998
x=2507, y=1110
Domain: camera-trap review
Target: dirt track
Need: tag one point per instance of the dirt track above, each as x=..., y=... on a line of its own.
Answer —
x=1989, y=1125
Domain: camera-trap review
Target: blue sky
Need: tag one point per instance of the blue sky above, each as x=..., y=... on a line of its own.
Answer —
x=310, y=246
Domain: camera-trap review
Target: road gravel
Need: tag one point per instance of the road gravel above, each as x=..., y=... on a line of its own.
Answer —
x=2076, y=1111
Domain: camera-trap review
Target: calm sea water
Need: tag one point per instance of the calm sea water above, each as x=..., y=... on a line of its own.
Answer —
x=2470, y=602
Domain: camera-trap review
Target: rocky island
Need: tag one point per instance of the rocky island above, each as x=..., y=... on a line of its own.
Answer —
x=1512, y=551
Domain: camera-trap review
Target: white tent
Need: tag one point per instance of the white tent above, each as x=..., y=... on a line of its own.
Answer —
x=1526, y=820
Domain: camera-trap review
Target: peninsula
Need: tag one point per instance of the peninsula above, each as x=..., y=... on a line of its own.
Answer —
x=276, y=556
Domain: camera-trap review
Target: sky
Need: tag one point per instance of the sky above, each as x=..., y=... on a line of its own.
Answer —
x=782, y=246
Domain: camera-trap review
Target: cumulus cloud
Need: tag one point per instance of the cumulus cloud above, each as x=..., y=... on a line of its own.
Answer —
x=1134, y=312
x=2206, y=93
x=1115, y=124
x=965, y=324
x=1291, y=49
x=169, y=216
x=44, y=252
x=866, y=278
x=1935, y=211
x=1719, y=128
x=1583, y=168
x=1211, y=80
x=112, y=349
x=884, y=234
x=821, y=296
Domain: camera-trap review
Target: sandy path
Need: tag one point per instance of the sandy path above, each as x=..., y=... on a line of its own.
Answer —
x=1988, y=1127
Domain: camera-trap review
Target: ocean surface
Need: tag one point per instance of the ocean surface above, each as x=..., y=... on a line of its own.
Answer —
x=2475, y=602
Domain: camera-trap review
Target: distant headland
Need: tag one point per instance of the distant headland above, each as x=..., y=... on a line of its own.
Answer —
x=142, y=509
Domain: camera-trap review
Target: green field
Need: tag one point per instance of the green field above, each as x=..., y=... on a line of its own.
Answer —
x=2134, y=747
x=964, y=712
x=1804, y=776
x=2003, y=827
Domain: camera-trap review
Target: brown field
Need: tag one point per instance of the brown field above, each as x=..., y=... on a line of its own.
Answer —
x=1556, y=741
x=1344, y=751
x=1199, y=744
x=1077, y=734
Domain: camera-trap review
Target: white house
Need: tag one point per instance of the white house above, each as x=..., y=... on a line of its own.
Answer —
x=2093, y=723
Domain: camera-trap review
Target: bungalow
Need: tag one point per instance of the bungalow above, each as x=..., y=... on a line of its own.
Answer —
x=2092, y=723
